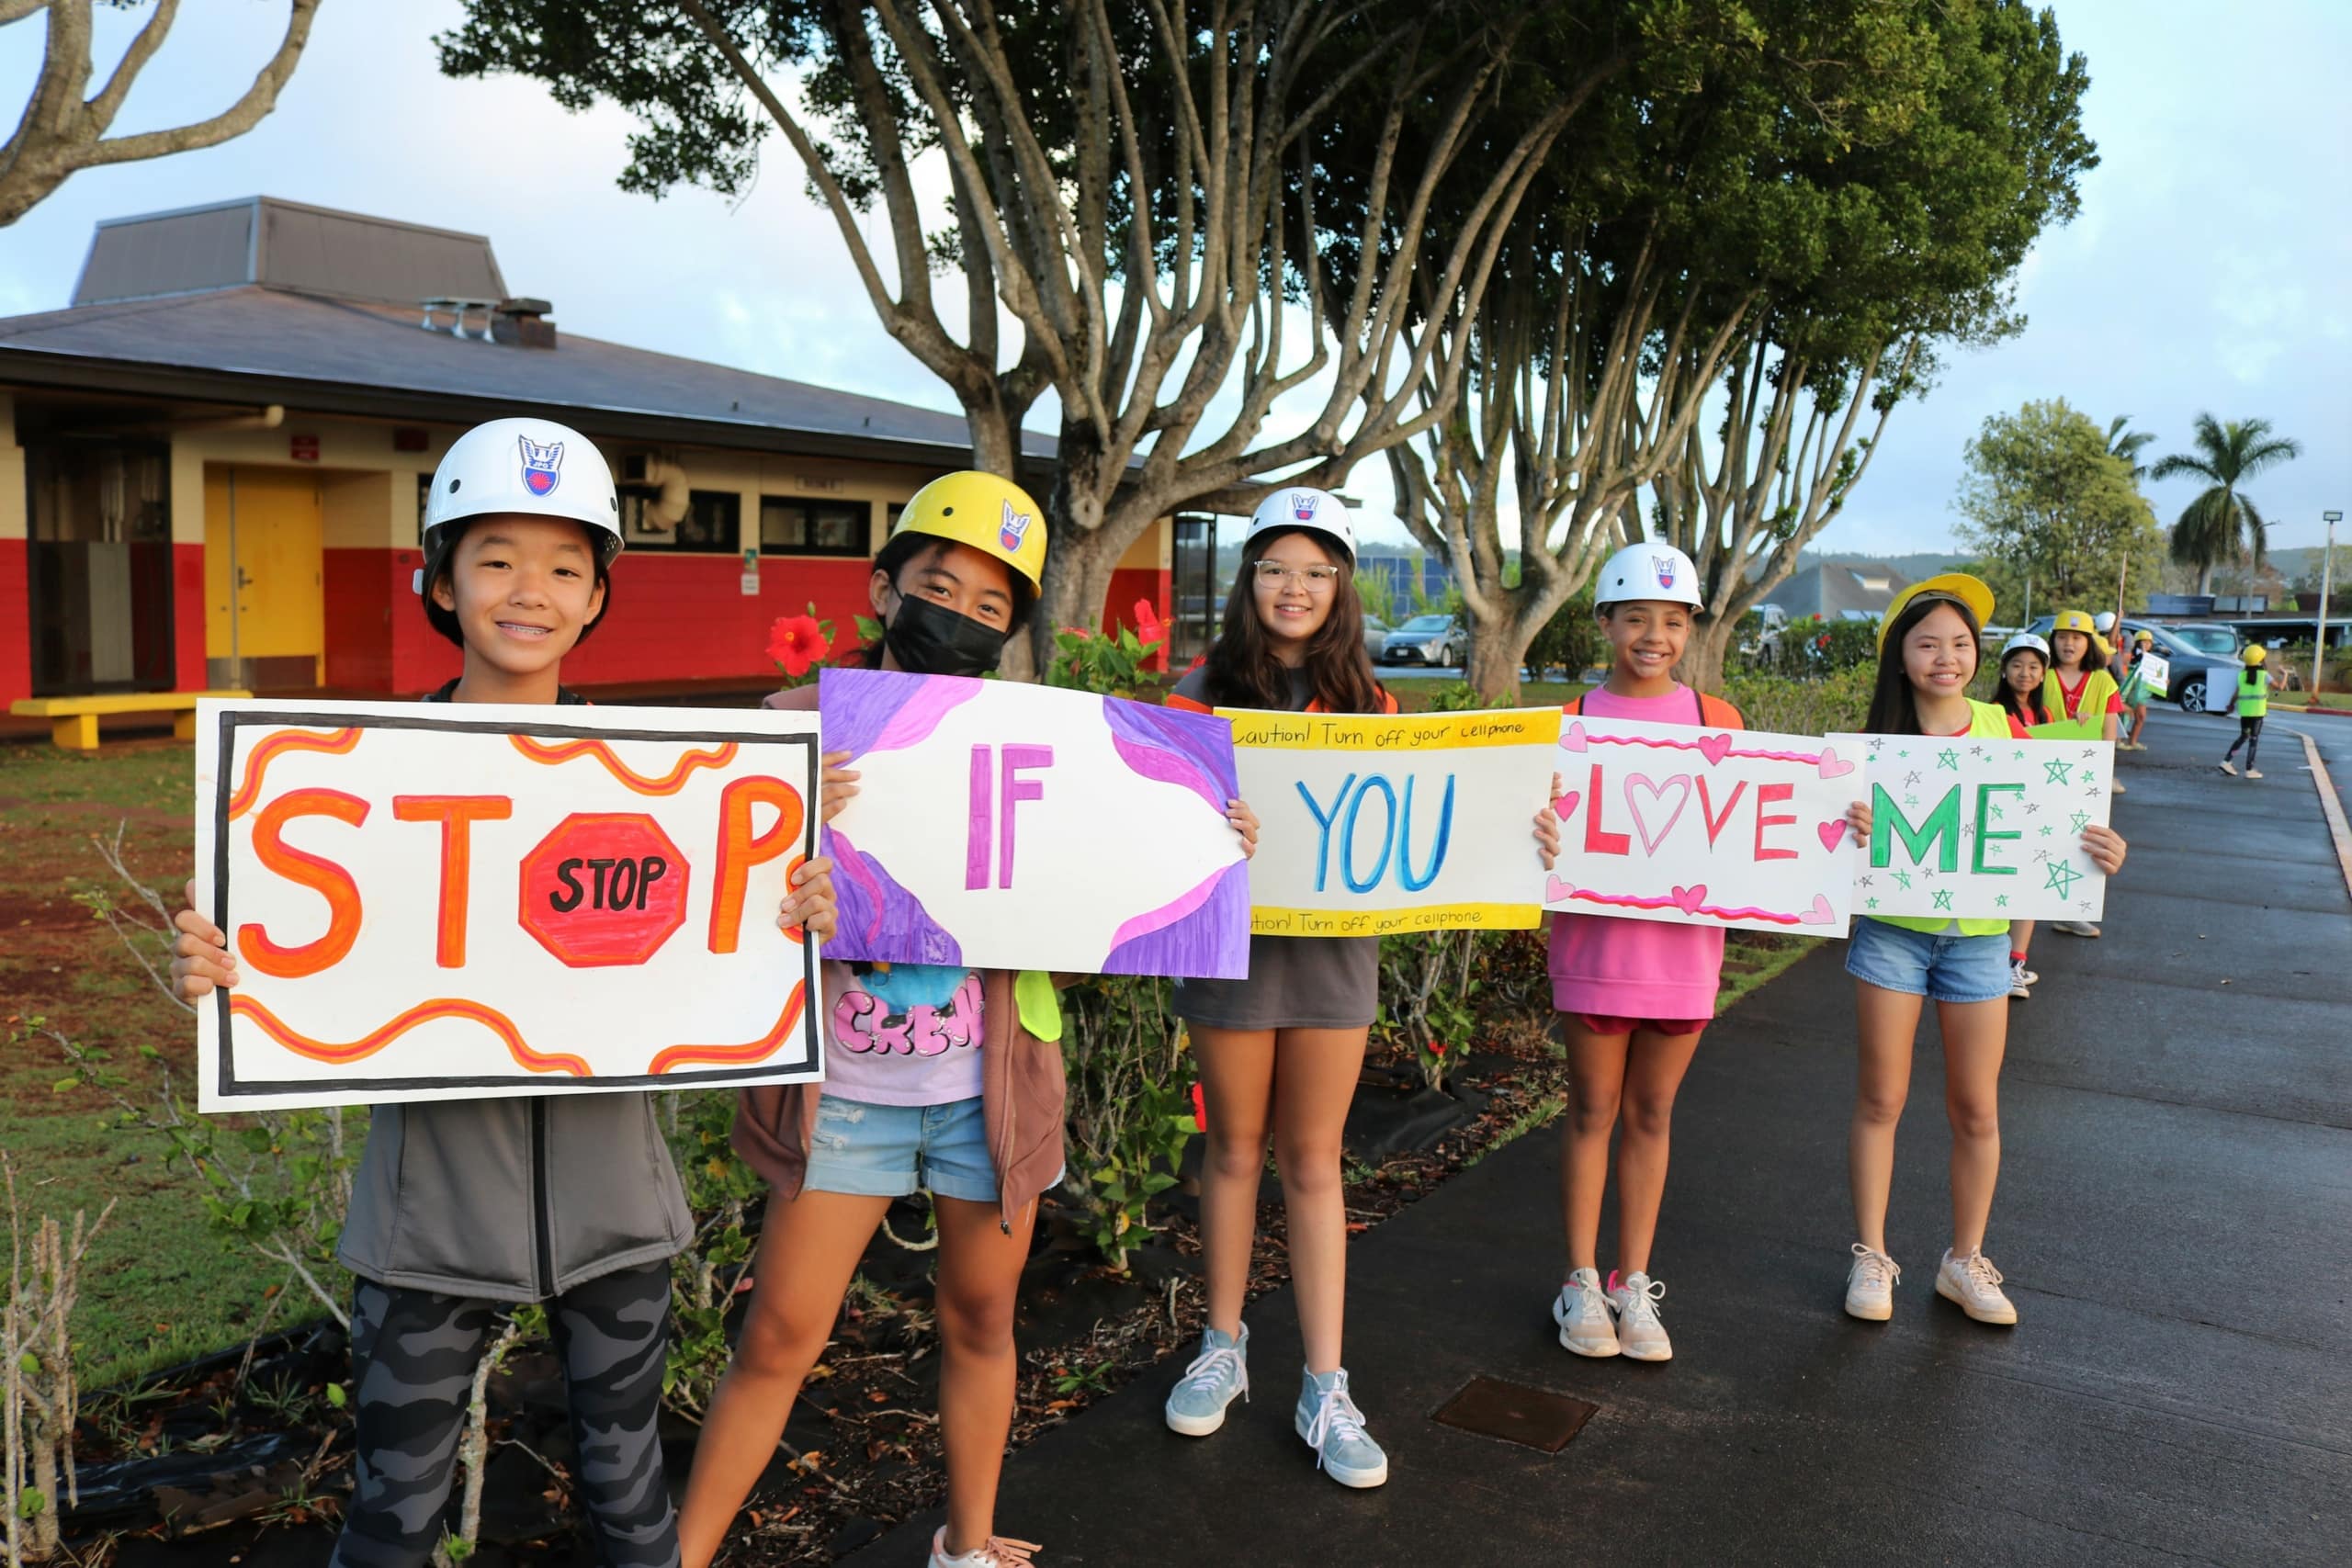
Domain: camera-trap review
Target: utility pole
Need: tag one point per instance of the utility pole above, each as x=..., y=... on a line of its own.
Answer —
x=2326, y=575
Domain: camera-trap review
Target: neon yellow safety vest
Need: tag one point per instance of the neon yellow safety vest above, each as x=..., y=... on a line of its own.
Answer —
x=2254, y=694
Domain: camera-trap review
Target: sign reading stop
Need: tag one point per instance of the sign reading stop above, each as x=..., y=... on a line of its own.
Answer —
x=604, y=888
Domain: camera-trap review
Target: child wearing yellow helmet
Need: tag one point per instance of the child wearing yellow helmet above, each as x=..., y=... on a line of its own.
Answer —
x=2133, y=653
x=2253, y=702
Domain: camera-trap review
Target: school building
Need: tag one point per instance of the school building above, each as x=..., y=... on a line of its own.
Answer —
x=212, y=465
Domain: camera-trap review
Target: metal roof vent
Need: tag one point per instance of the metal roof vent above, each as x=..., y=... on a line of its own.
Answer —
x=460, y=309
x=523, y=322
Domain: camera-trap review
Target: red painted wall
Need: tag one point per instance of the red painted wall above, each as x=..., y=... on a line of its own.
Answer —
x=1130, y=585
x=15, y=622
x=188, y=617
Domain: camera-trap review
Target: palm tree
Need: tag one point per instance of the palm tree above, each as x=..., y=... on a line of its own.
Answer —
x=2223, y=524
x=2127, y=447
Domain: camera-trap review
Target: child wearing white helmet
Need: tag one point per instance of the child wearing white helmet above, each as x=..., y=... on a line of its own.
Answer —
x=1632, y=995
x=463, y=1207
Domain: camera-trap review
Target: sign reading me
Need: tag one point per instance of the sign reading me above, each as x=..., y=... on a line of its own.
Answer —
x=1370, y=824
x=432, y=902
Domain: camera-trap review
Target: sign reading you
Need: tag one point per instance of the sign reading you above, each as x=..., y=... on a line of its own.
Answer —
x=1370, y=824
x=1981, y=827
x=434, y=902
x=1726, y=828
x=1005, y=826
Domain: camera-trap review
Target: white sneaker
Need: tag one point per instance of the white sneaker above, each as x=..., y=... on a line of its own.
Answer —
x=2026, y=977
x=2230, y=769
x=1869, y=1285
x=1640, y=1335
x=2075, y=928
x=994, y=1553
x=2018, y=984
x=1218, y=1376
x=1581, y=1309
x=1975, y=1285
x=2254, y=773
x=1328, y=1422
x=2114, y=786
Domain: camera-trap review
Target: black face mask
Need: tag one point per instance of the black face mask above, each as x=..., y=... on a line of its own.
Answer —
x=928, y=639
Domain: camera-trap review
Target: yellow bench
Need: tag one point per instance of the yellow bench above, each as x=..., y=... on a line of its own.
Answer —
x=73, y=721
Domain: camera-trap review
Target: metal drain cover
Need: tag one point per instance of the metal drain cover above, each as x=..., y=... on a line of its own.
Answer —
x=1532, y=1417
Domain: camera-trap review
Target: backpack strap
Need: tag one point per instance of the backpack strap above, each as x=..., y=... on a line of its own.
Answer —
x=1716, y=713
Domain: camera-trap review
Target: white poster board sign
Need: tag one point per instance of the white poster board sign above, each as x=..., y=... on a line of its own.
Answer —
x=1005, y=826
x=1373, y=823
x=1729, y=828
x=437, y=901
x=1979, y=827
x=2221, y=690
x=2155, y=669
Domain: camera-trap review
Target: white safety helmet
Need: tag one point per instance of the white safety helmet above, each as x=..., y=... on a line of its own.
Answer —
x=2104, y=621
x=1302, y=506
x=2025, y=641
x=1648, y=571
x=534, y=467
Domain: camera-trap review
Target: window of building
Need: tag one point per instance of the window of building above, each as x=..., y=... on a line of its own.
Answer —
x=794, y=526
x=714, y=522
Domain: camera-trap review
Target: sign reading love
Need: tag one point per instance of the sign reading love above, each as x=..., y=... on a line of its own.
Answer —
x=1726, y=828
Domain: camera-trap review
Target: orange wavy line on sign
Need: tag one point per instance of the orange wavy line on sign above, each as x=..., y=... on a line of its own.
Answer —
x=424, y=1012
x=257, y=760
x=749, y=1051
x=670, y=783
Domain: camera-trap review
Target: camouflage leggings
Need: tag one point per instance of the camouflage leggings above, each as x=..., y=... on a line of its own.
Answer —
x=413, y=1354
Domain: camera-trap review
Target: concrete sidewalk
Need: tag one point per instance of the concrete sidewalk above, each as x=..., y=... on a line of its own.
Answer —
x=2174, y=1219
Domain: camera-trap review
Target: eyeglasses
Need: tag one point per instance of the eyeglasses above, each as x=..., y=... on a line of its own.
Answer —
x=1315, y=579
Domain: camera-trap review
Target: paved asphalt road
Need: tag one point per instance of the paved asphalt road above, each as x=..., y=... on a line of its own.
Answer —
x=2174, y=1219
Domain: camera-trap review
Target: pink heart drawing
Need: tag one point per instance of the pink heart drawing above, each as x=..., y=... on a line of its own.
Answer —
x=1680, y=785
x=1556, y=891
x=1713, y=748
x=1830, y=833
x=1565, y=803
x=1573, y=738
x=1688, y=899
x=1821, y=914
x=1832, y=765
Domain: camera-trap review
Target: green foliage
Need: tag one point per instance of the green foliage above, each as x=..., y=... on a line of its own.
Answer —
x=1570, y=641
x=720, y=1190
x=1836, y=701
x=1810, y=647
x=1110, y=664
x=1129, y=1112
x=2044, y=495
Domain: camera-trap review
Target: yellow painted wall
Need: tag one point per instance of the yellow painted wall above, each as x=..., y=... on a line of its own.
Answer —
x=14, y=523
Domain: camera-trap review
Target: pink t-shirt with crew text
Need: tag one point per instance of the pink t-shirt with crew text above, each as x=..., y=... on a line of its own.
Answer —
x=1627, y=968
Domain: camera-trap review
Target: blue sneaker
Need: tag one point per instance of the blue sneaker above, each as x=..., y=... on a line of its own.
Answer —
x=1220, y=1373
x=1330, y=1424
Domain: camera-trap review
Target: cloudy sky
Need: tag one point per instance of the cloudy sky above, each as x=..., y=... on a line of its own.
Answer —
x=2211, y=268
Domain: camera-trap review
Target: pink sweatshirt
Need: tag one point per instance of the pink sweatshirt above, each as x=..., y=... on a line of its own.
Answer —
x=1628, y=968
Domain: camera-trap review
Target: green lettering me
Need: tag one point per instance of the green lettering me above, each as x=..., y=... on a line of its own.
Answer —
x=1887, y=822
x=1986, y=835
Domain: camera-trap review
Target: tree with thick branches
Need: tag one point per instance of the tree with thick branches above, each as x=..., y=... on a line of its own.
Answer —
x=2046, y=495
x=2222, y=525
x=1131, y=197
x=63, y=127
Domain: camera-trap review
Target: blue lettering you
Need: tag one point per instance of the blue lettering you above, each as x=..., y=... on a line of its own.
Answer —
x=1396, y=835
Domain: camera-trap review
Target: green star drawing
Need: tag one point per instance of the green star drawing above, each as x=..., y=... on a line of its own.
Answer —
x=2062, y=878
x=1903, y=879
x=1997, y=813
x=1903, y=753
x=1948, y=758
x=2057, y=772
x=2018, y=758
x=1870, y=903
x=2045, y=830
x=2001, y=901
x=1943, y=900
x=2078, y=820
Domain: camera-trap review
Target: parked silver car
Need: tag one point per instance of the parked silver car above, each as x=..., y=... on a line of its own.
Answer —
x=1375, y=636
x=1438, y=640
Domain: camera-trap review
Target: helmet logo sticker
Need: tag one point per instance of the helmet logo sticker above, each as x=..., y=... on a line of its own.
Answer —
x=542, y=465
x=1014, y=529
x=1663, y=567
x=1303, y=504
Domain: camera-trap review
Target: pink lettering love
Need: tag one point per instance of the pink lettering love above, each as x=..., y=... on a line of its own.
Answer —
x=1713, y=748
x=1678, y=786
x=1832, y=765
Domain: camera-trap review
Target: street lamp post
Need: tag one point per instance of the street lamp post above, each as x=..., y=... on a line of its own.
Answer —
x=2326, y=574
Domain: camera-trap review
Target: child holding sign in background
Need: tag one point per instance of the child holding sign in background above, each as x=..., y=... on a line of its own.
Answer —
x=2253, y=703
x=462, y=1206
x=2080, y=689
x=1633, y=995
x=2025, y=660
x=1281, y=1050
x=2134, y=693
x=1928, y=650
x=939, y=1077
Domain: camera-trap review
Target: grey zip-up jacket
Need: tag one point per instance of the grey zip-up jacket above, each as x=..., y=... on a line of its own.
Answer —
x=512, y=1200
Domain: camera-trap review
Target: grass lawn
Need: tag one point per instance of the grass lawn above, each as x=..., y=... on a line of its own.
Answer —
x=158, y=1287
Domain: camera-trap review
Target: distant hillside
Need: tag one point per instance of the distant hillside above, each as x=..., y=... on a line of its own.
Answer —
x=1911, y=568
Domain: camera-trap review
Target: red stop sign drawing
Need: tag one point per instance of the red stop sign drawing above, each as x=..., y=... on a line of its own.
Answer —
x=604, y=888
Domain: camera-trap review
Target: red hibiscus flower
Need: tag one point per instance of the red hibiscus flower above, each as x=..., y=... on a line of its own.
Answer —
x=1148, y=626
x=1200, y=1109
x=796, y=642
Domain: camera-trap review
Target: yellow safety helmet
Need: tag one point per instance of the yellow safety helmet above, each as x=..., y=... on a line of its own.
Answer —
x=2080, y=621
x=2143, y=637
x=2254, y=655
x=992, y=516
x=1967, y=590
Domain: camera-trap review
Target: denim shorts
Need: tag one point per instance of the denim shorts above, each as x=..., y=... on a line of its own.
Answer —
x=1945, y=968
x=889, y=1151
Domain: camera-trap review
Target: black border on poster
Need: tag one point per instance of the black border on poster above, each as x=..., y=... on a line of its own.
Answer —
x=228, y=1086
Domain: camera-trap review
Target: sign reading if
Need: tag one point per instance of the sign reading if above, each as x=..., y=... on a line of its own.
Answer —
x=429, y=902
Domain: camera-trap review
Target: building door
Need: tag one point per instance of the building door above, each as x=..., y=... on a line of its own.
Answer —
x=265, y=624
x=99, y=570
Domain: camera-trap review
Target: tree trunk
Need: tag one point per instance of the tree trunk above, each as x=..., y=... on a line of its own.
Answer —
x=1497, y=658
x=2205, y=577
x=1707, y=653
